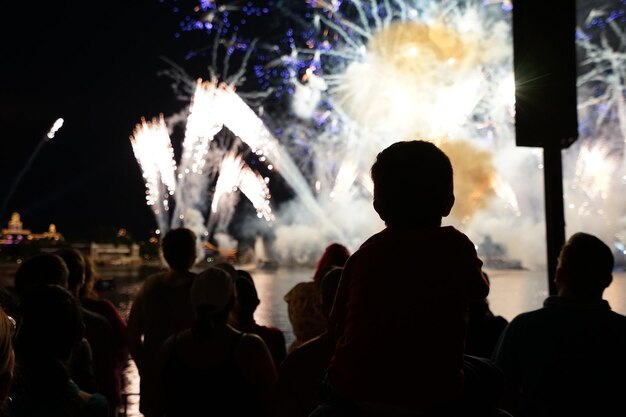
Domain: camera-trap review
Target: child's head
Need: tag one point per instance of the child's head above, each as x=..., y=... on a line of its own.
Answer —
x=413, y=184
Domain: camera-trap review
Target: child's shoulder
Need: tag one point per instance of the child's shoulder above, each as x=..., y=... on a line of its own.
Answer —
x=451, y=232
x=453, y=238
x=430, y=233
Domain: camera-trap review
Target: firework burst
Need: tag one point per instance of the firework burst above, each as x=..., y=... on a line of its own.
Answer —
x=350, y=77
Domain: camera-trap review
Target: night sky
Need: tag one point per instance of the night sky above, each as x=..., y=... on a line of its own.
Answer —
x=97, y=67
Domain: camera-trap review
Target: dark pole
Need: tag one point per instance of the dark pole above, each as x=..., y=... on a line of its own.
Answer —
x=544, y=62
x=555, y=216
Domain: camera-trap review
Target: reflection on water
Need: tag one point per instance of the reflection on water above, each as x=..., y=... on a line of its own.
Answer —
x=512, y=292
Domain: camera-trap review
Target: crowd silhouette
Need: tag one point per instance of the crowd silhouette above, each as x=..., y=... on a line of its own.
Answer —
x=401, y=327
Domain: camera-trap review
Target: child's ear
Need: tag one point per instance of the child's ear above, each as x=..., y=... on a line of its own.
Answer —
x=447, y=206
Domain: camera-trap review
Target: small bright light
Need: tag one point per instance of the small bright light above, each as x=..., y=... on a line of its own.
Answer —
x=56, y=126
x=451, y=61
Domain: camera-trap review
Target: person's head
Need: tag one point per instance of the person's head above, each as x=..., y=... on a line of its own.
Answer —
x=46, y=268
x=50, y=324
x=585, y=267
x=228, y=268
x=413, y=184
x=479, y=308
x=247, y=299
x=179, y=248
x=76, y=267
x=7, y=356
x=212, y=296
x=330, y=282
x=335, y=254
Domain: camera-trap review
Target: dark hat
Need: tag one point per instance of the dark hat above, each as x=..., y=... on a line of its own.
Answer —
x=212, y=288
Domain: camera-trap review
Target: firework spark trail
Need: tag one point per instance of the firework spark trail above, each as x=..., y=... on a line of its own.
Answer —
x=605, y=60
x=424, y=69
x=462, y=92
x=400, y=70
x=419, y=78
x=253, y=186
x=345, y=178
x=506, y=193
x=225, y=197
x=594, y=170
x=153, y=150
x=244, y=123
x=202, y=163
x=601, y=150
x=48, y=136
x=194, y=174
x=213, y=107
x=404, y=62
x=234, y=175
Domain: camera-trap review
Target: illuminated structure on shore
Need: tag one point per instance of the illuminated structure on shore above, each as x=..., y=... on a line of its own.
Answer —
x=15, y=233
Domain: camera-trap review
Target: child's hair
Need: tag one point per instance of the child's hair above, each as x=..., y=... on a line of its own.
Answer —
x=413, y=184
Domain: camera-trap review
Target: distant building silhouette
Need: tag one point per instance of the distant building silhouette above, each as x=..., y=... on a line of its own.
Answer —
x=15, y=232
